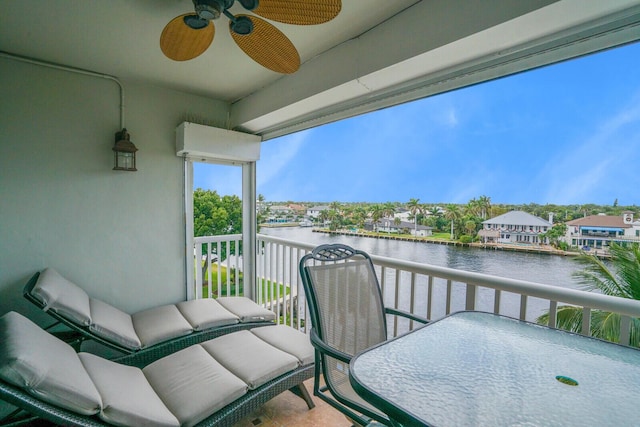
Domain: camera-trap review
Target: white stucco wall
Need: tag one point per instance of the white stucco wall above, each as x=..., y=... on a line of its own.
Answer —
x=120, y=235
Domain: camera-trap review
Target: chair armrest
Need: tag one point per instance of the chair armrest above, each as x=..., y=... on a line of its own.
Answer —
x=405, y=314
x=322, y=347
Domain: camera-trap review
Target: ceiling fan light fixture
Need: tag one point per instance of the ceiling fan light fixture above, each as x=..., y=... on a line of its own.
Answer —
x=242, y=25
x=195, y=22
x=249, y=4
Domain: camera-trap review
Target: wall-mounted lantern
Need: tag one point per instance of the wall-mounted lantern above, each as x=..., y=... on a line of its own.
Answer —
x=124, y=152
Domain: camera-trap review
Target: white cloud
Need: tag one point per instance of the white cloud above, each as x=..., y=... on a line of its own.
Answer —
x=452, y=118
x=589, y=169
x=276, y=157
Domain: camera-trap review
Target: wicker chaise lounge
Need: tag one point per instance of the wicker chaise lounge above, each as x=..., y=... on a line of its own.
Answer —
x=154, y=332
x=215, y=383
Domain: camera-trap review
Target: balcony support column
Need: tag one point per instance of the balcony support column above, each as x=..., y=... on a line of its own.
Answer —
x=249, y=228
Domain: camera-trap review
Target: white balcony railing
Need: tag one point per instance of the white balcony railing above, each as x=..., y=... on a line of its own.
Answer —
x=425, y=290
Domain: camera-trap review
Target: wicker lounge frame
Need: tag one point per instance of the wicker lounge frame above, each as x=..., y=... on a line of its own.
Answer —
x=25, y=400
x=144, y=355
x=227, y=416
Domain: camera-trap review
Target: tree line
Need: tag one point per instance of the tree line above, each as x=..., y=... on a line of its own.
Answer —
x=216, y=215
x=461, y=221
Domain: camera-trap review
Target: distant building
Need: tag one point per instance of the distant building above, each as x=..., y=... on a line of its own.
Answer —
x=388, y=225
x=280, y=210
x=515, y=227
x=297, y=208
x=403, y=214
x=314, y=212
x=598, y=231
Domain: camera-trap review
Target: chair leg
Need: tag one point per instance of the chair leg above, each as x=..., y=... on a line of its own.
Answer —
x=13, y=419
x=301, y=391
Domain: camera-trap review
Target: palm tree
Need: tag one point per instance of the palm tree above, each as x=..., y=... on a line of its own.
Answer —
x=323, y=217
x=376, y=214
x=470, y=227
x=484, y=202
x=620, y=279
x=434, y=211
x=359, y=215
x=415, y=208
x=473, y=208
x=388, y=210
x=453, y=214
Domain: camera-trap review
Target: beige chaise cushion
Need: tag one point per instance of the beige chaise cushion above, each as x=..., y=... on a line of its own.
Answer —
x=160, y=324
x=246, y=309
x=288, y=340
x=249, y=358
x=56, y=375
x=148, y=327
x=113, y=324
x=127, y=397
x=206, y=313
x=192, y=384
x=62, y=296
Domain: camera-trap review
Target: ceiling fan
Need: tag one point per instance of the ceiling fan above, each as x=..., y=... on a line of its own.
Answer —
x=188, y=36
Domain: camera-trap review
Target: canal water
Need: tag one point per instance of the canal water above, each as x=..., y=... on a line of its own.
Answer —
x=546, y=269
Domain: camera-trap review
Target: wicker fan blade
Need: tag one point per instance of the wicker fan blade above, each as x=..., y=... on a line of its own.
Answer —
x=299, y=12
x=268, y=46
x=180, y=42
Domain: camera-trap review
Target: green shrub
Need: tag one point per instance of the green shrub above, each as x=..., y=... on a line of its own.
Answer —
x=466, y=239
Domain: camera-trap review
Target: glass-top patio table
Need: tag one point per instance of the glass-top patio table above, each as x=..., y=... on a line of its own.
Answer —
x=482, y=369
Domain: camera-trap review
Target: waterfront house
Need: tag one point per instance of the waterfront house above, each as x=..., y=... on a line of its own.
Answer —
x=280, y=213
x=297, y=209
x=280, y=210
x=75, y=72
x=515, y=227
x=314, y=211
x=389, y=225
x=599, y=231
x=403, y=214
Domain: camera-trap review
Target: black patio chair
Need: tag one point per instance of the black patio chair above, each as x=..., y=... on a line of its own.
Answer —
x=348, y=316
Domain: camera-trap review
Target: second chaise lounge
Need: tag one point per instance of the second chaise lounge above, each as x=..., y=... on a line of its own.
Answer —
x=152, y=333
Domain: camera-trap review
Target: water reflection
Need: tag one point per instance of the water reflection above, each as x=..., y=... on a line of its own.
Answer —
x=547, y=269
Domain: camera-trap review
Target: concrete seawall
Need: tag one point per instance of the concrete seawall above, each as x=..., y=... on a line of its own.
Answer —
x=546, y=250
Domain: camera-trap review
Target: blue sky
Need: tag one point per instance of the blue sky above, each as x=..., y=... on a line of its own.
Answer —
x=564, y=134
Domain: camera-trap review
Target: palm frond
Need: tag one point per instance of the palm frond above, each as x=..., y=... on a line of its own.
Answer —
x=568, y=317
x=596, y=275
x=634, y=337
x=627, y=262
x=605, y=325
x=620, y=277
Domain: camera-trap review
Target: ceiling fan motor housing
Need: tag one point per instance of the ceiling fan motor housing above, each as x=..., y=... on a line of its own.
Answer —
x=211, y=9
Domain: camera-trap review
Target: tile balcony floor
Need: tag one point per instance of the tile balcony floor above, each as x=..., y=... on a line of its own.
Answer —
x=288, y=410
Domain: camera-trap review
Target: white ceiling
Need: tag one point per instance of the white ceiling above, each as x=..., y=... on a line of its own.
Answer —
x=121, y=38
x=376, y=53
